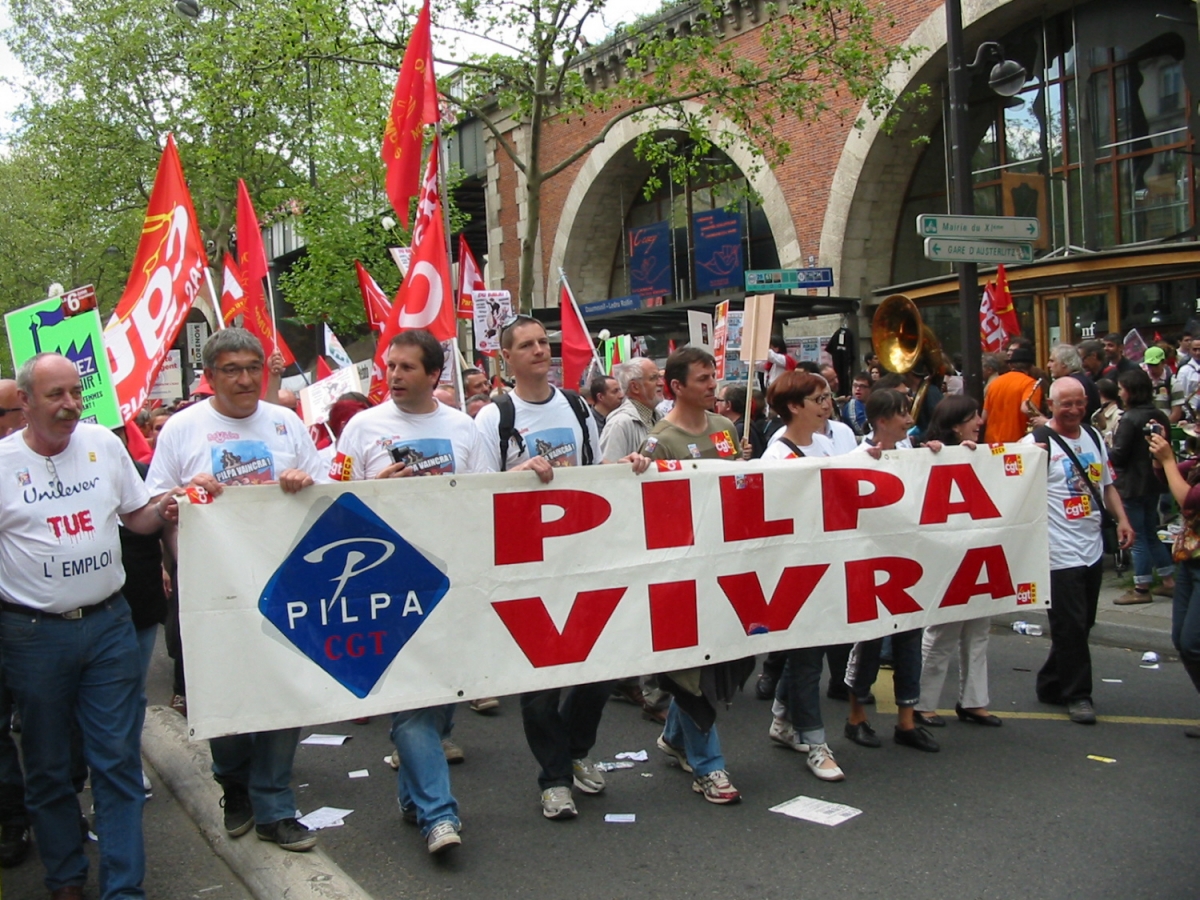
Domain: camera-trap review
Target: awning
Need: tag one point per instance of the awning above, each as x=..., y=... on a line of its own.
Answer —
x=671, y=319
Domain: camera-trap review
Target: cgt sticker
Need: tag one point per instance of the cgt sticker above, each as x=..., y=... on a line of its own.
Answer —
x=352, y=593
x=1013, y=464
x=1027, y=594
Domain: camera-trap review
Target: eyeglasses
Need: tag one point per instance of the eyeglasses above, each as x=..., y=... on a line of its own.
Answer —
x=53, y=471
x=232, y=371
x=518, y=319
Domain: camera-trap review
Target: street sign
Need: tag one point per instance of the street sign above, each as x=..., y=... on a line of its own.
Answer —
x=787, y=279
x=979, y=228
x=944, y=250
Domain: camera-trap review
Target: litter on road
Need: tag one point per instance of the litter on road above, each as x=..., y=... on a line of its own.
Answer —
x=813, y=810
x=360, y=773
x=1103, y=759
x=635, y=755
x=620, y=818
x=326, y=740
x=325, y=817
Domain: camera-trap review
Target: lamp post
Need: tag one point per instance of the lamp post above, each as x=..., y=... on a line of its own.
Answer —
x=1006, y=79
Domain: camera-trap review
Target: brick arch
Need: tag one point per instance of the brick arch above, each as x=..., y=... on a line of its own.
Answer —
x=869, y=186
x=592, y=219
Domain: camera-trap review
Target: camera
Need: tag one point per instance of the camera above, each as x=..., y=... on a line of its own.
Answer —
x=1154, y=428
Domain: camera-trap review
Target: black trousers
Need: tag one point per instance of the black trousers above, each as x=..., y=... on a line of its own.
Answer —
x=1067, y=674
x=560, y=726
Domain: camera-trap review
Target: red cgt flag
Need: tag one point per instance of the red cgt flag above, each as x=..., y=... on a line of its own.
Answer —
x=375, y=302
x=414, y=105
x=1002, y=304
x=252, y=257
x=167, y=274
x=470, y=280
x=236, y=300
x=577, y=352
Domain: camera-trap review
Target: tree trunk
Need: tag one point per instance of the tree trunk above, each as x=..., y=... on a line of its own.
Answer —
x=533, y=213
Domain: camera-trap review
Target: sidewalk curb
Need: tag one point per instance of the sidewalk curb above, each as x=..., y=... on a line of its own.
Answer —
x=268, y=872
x=1110, y=634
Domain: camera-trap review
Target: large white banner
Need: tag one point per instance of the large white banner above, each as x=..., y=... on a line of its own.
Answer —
x=366, y=598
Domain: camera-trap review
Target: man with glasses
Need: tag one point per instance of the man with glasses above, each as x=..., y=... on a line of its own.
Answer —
x=538, y=428
x=627, y=426
x=70, y=653
x=234, y=439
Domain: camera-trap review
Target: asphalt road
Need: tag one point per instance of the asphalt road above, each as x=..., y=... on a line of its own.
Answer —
x=1019, y=811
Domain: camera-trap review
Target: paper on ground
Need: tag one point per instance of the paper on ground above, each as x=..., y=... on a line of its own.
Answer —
x=1155, y=666
x=623, y=818
x=813, y=810
x=1103, y=759
x=613, y=766
x=360, y=773
x=326, y=740
x=635, y=755
x=325, y=817
x=1112, y=680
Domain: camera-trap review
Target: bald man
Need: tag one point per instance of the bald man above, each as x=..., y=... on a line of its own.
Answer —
x=1074, y=487
x=11, y=417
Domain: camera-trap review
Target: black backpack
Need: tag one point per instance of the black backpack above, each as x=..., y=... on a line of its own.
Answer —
x=508, y=430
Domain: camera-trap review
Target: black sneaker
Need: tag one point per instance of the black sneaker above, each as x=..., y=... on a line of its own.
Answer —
x=288, y=834
x=14, y=845
x=239, y=815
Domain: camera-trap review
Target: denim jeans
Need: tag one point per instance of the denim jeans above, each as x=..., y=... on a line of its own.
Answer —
x=262, y=764
x=703, y=750
x=863, y=668
x=145, y=639
x=1150, y=555
x=800, y=692
x=86, y=671
x=559, y=729
x=423, y=781
x=1074, y=595
x=1185, y=618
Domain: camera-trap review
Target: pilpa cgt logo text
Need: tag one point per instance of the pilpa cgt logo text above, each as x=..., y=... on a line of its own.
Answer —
x=350, y=604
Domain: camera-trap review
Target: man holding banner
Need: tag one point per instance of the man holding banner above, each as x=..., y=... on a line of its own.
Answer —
x=415, y=435
x=690, y=431
x=70, y=652
x=232, y=439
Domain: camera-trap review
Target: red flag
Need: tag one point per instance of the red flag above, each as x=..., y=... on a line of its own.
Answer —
x=236, y=300
x=576, y=344
x=1002, y=304
x=470, y=280
x=414, y=105
x=252, y=258
x=167, y=274
x=991, y=332
x=376, y=303
x=323, y=370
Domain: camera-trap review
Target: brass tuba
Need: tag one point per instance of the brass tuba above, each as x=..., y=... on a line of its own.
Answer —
x=905, y=344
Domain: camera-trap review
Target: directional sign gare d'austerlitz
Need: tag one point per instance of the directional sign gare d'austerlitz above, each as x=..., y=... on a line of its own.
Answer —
x=949, y=250
x=979, y=228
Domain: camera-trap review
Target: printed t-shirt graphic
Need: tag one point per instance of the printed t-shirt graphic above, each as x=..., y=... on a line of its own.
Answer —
x=442, y=442
x=549, y=429
x=668, y=441
x=243, y=462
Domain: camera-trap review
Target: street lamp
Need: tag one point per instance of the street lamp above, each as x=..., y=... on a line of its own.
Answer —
x=1006, y=79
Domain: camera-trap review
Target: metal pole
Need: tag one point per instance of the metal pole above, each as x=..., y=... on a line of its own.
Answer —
x=963, y=199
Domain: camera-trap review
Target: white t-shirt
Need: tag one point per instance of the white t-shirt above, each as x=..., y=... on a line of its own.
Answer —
x=442, y=442
x=253, y=450
x=777, y=449
x=840, y=436
x=1073, y=520
x=548, y=429
x=59, y=545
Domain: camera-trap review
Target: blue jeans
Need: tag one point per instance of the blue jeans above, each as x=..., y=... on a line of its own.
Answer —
x=12, y=782
x=145, y=639
x=423, y=781
x=262, y=764
x=86, y=671
x=1150, y=555
x=799, y=690
x=863, y=668
x=1185, y=618
x=703, y=750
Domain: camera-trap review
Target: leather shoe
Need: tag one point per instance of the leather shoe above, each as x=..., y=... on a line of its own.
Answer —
x=67, y=892
x=976, y=718
x=764, y=688
x=838, y=692
x=14, y=845
x=933, y=720
x=863, y=734
x=1082, y=712
x=918, y=738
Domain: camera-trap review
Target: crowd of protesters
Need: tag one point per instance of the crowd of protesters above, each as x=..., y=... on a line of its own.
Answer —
x=76, y=638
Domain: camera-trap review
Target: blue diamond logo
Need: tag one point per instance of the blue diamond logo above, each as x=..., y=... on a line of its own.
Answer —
x=352, y=593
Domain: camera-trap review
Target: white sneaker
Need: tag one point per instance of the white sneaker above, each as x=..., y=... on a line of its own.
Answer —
x=146, y=785
x=588, y=778
x=823, y=765
x=784, y=734
x=557, y=803
x=716, y=787
x=678, y=754
x=442, y=837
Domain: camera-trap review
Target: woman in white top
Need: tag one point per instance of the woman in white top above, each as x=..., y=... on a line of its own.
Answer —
x=803, y=402
x=956, y=422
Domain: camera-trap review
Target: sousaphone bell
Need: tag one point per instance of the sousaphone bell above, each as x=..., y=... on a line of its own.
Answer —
x=905, y=344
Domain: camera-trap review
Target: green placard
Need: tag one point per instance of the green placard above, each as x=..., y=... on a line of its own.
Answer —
x=44, y=328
